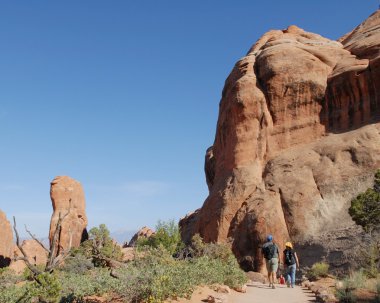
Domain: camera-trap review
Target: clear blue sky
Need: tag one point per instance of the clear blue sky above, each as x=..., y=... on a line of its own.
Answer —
x=123, y=96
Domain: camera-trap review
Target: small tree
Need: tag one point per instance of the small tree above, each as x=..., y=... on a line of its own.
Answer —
x=167, y=235
x=101, y=248
x=365, y=208
x=365, y=211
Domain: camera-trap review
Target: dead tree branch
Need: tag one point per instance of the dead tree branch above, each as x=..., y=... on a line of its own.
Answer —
x=35, y=239
x=32, y=268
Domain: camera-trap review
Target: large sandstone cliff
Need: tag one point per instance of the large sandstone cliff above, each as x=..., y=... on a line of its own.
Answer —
x=297, y=137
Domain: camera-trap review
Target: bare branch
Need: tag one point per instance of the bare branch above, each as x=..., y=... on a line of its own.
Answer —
x=35, y=239
x=32, y=268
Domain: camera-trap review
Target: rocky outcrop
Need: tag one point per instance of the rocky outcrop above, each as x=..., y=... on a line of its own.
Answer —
x=6, y=241
x=297, y=137
x=144, y=232
x=68, y=201
x=37, y=255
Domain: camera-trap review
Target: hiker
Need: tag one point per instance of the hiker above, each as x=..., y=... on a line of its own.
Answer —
x=291, y=262
x=271, y=254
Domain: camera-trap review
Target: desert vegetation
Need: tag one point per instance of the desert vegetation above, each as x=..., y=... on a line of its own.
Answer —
x=162, y=268
x=362, y=284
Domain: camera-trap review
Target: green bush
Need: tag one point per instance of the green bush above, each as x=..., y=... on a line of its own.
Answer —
x=100, y=247
x=365, y=208
x=212, y=250
x=47, y=289
x=77, y=264
x=167, y=235
x=77, y=286
x=318, y=270
x=7, y=278
x=350, y=284
x=156, y=276
x=370, y=259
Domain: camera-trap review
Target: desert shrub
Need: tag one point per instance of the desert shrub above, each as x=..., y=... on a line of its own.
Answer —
x=365, y=208
x=370, y=259
x=318, y=270
x=167, y=235
x=7, y=278
x=12, y=294
x=76, y=286
x=156, y=276
x=47, y=289
x=346, y=292
x=354, y=281
x=211, y=250
x=378, y=291
x=77, y=263
x=100, y=247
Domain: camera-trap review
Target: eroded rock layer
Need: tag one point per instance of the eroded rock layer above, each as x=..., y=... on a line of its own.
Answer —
x=297, y=137
x=68, y=201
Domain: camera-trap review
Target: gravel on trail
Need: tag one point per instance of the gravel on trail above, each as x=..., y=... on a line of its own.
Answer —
x=261, y=293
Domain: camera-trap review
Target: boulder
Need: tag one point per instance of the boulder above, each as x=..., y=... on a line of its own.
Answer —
x=144, y=232
x=298, y=136
x=6, y=241
x=257, y=277
x=68, y=201
x=128, y=253
x=37, y=255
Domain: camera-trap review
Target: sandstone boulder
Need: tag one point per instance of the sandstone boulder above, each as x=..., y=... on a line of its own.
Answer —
x=6, y=241
x=298, y=136
x=68, y=201
x=144, y=232
x=37, y=255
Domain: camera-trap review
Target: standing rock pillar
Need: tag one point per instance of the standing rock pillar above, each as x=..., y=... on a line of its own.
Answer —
x=68, y=201
x=6, y=241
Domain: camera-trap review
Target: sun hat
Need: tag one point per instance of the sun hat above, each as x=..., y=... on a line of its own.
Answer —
x=288, y=244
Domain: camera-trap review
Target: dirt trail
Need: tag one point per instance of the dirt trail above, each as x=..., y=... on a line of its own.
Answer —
x=261, y=293
x=256, y=293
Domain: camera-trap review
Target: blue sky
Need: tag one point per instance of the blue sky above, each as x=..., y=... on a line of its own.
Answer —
x=123, y=96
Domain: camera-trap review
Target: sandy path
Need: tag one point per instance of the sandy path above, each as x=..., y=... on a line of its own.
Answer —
x=261, y=293
x=256, y=293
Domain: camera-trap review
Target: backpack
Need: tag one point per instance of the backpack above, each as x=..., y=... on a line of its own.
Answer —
x=289, y=257
x=269, y=251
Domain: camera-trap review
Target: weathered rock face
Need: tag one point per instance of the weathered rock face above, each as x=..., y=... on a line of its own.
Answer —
x=67, y=197
x=291, y=148
x=144, y=232
x=37, y=255
x=6, y=241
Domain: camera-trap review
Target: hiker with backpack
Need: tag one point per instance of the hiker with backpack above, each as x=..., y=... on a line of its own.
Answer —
x=291, y=262
x=271, y=255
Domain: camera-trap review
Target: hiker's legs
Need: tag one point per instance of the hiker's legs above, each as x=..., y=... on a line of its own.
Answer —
x=288, y=277
x=274, y=268
x=273, y=276
x=291, y=275
x=268, y=264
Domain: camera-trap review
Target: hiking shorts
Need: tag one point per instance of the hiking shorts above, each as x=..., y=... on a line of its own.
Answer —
x=272, y=265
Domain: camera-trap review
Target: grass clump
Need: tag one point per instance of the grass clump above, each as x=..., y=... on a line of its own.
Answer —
x=318, y=270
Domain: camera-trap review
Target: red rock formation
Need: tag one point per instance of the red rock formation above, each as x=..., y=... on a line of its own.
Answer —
x=144, y=232
x=36, y=255
x=67, y=197
x=276, y=166
x=6, y=240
